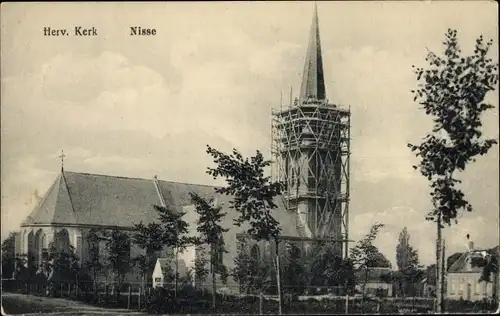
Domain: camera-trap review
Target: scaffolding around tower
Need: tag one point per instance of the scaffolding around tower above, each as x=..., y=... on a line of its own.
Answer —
x=311, y=152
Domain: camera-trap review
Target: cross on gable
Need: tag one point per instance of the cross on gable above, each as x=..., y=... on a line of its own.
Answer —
x=62, y=156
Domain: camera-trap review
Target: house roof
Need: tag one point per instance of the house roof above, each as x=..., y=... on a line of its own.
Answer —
x=374, y=274
x=461, y=264
x=103, y=200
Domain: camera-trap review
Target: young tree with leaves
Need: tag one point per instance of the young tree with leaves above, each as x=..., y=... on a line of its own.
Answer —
x=364, y=252
x=491, y=267
x=211, y=233
x=175, y=235
x=294, y=275
x=150, y=239
x=452, y=91
x=117, y=244
x=94, y=261
x=8, y=256
x=200, y=266
x=410, y=270
x=327, y=268
x=253, y=196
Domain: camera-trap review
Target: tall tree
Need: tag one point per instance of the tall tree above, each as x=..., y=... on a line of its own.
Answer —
x=327, y=268
x=364, y=252
x=452, y=91
x=211, y=233
x=118, y=256
x=253, y=196
x=94, y=261
x=8, y=256
x=150, y=239
x=410, y=270
x=200, y=266
x=403, y=250
x=175, y=235
x=294, y=276
x=491, y=267
x=378, y=260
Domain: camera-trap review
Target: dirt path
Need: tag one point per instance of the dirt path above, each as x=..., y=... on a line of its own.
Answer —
x=21, y=304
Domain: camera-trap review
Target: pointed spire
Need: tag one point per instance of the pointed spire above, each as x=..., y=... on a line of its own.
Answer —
x=313, y=81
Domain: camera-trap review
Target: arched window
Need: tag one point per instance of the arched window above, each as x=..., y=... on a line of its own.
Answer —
x=62, y=240
x=269, y=250
x=306, y=249
x=38, y=245
x=255, y=253
x=31, y=248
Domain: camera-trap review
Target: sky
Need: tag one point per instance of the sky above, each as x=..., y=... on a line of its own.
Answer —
x=144, y=106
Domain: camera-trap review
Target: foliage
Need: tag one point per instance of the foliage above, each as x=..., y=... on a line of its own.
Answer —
x=430, y=274
x=118, y=254
x=174, y=228
x=491, y=266
x=21, y=271
x=251, y=273
x=175, y=232
x=253, y=192
x=150, y=239
x=8, y=255
x=294, y=275
x=210, y=230
x=94, y=261
x=253, y=198
x=410, y=270
x=327, y=268
x=378, y=260
x=200, y=266
x=452, y=90
x=211, y=233
x=364, y=253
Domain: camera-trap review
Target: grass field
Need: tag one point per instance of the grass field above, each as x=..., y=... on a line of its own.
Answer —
x=15, y=304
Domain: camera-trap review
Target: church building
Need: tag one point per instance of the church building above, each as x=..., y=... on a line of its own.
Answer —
x=311, y=162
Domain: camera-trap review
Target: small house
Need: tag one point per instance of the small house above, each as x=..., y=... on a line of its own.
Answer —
x=465, y=273
x=163, y=273
x=374, y=281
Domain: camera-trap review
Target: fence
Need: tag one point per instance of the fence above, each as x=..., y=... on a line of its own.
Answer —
x=188, y=299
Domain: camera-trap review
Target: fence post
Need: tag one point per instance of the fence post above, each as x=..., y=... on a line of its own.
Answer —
x=106, y=293
x=61, y=292
x=69, y=290
x=139, y=300
x=261, y=302
x=347, y=303
x=129, y=296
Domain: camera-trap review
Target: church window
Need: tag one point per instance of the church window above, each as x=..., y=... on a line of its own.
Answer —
x=62, y=240
x=254, y=252
x=268, y=250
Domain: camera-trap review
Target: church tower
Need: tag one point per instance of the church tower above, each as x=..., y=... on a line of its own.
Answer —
x=310, y=147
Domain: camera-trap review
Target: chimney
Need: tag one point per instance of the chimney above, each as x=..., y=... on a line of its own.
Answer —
x=471, y=245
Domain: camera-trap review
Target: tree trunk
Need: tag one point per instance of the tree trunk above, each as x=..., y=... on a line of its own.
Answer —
x=212, y=262
x=176, y=270
x=278, y=277
x=439, y=268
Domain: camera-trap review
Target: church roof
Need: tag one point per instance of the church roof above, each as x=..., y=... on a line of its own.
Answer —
x=101, y=200
x=313, y=81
